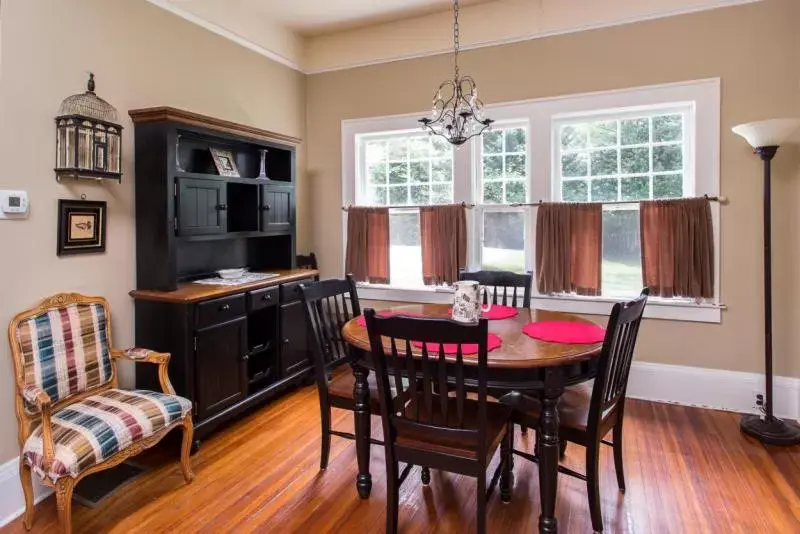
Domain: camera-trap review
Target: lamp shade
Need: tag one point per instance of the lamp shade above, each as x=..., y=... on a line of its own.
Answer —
x=771, y=132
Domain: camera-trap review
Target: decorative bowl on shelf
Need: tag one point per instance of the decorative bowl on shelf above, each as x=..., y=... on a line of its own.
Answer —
x=230, y=274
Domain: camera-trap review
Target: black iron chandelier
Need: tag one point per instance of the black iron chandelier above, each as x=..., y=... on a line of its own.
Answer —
x=457, y=113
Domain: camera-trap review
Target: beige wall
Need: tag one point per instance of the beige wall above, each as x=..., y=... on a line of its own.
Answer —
x=754, y=49
x=142, y=56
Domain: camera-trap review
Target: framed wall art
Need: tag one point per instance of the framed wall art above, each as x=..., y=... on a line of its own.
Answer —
x=81, y=227
x=226, y=164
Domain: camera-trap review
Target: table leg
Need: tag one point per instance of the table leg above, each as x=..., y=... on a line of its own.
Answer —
x=549, y=451
x=363, y=421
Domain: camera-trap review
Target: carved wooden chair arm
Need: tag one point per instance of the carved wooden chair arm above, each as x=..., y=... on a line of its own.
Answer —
x=148, y=356
x=36, y=400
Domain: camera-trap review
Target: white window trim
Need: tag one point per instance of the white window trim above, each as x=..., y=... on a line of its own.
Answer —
x=540, y=114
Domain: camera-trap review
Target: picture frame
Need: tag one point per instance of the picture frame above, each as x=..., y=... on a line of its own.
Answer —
x=81, y=227
x=225, y=162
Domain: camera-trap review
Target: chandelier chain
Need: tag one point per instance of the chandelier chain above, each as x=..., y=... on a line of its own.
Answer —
x=455, y=36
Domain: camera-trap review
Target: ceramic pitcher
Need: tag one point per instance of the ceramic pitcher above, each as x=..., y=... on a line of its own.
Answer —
x=467, y=301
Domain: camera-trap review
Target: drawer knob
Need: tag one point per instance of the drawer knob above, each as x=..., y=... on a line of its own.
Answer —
x=222, y=207
x=267, y=297
x=246, y=357
x=225, y=307
x=266, y=207
x=286, y=340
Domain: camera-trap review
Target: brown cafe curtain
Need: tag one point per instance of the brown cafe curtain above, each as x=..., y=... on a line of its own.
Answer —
x=443, y=230
x=678, y=247
x=367, y=257
x=569, y=239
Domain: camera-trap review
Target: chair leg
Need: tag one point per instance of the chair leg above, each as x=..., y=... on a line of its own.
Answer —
x=593, y=485
x=186, y=449
x=617, y=433
x=506, y=456
x=325, y=417
x=562, y=450
x=480, y=516
x=64, y=488
x=392, y=497
x=425, y=475
x=27, y=488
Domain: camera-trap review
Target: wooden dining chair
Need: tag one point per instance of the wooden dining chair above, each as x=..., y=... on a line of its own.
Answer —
x=501, y=282
x=587, y=414
x=449, y=430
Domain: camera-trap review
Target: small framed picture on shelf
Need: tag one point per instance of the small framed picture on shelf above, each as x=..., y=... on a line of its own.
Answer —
x=81, y=227
x=226, y=165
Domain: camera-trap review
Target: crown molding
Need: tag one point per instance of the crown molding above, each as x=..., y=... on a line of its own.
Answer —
x=226, y=33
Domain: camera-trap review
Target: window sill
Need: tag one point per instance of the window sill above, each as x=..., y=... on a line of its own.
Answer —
x=656, y=308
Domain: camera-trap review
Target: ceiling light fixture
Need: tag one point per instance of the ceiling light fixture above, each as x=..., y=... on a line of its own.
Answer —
x=458, y=115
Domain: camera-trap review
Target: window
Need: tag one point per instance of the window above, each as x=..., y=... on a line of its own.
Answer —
x=405, y=169
x=503, y=179
x=615, y=147
x=623, y=156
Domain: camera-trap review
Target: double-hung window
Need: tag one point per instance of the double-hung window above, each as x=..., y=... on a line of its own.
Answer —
x=615, y=147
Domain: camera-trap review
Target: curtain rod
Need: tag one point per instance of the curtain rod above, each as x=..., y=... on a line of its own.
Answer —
x=721, y=200
x=412, y=206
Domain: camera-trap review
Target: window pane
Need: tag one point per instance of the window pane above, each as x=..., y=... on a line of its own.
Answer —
x=603, y=134
x=398, y=149
x=441, y=193
x=375, y=151
x=398, y=195
x=493, y=142
x=420, y=194
x=377, y=173
x=669, y=186
x=574, y=165
x=493, y=192
x=515, y=191
x=515, y=167
x=419, y=171
x=492, y=167
x=405, y=254
x=667, y=158
x=622, y=268
x=574, y=191
x=636, y=188
x=442, y=170
x=574, y=137
x=376, y=196
x=420, y=148
x=635, y=160
x=668, y=128
x=440, y=147
x=504, y=241
x=634, y=132
x=515, y=140
x=398, y=173
x=604, y=162
x=604, y=190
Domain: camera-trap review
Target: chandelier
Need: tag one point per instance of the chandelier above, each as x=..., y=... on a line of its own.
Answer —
x=457, y=113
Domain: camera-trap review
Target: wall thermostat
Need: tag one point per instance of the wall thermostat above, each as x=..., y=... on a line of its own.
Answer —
x=13, y=204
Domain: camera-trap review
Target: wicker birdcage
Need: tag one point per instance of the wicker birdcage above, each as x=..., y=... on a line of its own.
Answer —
x=88, y=137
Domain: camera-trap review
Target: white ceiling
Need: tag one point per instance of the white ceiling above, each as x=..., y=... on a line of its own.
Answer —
x=314, y=17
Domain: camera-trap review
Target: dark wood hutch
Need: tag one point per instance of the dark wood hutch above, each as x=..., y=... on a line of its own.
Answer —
x=232, y=346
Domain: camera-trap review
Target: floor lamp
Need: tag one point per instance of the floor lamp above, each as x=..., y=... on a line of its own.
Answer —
x=765, y=137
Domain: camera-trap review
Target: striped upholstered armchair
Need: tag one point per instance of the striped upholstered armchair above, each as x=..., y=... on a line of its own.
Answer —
x=73, y=419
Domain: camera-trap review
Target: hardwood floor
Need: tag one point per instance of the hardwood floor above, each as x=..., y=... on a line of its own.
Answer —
x=688, y=471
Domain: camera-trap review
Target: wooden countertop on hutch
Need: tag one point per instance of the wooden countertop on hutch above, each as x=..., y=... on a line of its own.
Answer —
x=189, y=292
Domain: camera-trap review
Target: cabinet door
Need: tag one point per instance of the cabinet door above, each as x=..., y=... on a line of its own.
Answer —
x=220, y=366
x=295, y=355
x=277, y=208
x=201, y=206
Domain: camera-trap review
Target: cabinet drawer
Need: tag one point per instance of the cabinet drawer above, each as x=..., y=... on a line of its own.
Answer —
x=220, y=310
x=291, y=292
x=262, y=298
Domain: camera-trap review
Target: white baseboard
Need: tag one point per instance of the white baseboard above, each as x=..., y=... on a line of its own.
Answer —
x=691, y=386
x=12, y=505
x=711, y=388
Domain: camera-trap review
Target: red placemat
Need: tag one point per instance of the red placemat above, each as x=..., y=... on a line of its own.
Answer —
x=496, y=313
x=362, y=321
x=494, y=341
x=565, y=332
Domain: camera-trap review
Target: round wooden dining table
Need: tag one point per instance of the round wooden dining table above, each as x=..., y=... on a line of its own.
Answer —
x=521, y=363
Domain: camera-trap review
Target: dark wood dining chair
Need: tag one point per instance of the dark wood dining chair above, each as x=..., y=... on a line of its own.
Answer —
x=500, y=283
x=307, y=262
x=329, y=304
x=587, y=414
x=448, y=431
